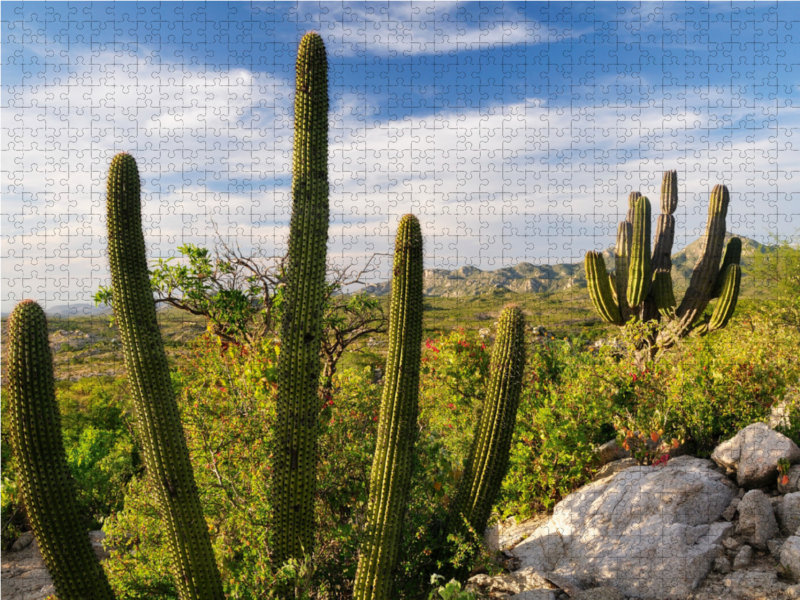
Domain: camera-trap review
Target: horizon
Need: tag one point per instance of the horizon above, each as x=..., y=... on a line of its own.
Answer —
x=514, y=131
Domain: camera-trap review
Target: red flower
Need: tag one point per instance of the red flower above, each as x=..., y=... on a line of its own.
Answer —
x=451, y=405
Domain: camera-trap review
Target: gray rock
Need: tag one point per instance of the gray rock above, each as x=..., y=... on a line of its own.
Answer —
x=512, y=583
x=774, y=547
x=731, y=543
x=600, y=593
x=753, y=585
x=789, y=513
x=779, y=414
x=648, y=531
x=753, y=455
x=743, y=558
x=615, y=467
x=790, y=557
x=538, y=594
x=730, y=513
x=793, y=485
x=793, y=592
x=609, y=452
x=23, y=541
x=757, y=522
x=722, y=564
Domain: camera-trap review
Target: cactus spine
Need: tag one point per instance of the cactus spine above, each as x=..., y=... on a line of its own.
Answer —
x=47, y=487
x=294, y=464
x=643, y=283
x=488, y=458
x=166, y=455
x=600, y=289
x=390, y=480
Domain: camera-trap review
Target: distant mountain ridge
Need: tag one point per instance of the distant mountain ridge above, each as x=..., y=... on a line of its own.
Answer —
x=527, y=278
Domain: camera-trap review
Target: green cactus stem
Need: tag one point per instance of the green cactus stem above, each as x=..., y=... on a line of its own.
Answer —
x=622, y=255
x=166, y=456
x=294, y=475
x=669, y=192
x=733, y=256
x=390, y=480
x=705, y=272
x=600, y=290
x=488, y=458
x=728, y=298
x=632, y=198
x=663, y=293
x=639, y=273
x=46, y=484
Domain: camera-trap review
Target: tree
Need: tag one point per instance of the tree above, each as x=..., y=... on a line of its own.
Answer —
x=241, y=297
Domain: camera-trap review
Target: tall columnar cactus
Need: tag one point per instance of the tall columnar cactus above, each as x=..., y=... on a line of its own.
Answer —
x=166, y=456
x=294, y=473
x=600, y=288
x=390, y=480
x=489, y=454
x=48, y=490
x=643, y=283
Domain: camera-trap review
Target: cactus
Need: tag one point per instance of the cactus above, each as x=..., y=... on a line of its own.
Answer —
x=294, y=465
x=166, y=455
x=643, y=282
x=639, y=274
x=391, y=468
x=600, y=288
x=489, y=454
x=48, y=490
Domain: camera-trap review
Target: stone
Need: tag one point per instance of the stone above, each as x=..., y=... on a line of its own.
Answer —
x=730, y=513
x=23, y=541
x=781, y=411
x=755, y=585
x=651, y=532
x=789, y=513
x=511, y=583
x=538, y=594
x=610, y=452
x=790, y=557
x=793, y=483
x=743, y=558
x=731, y=543
x=722, y=564
x=774, y=547
x=599, y=593
x=793, y=592
x=753, y=455
x=757, y=522
x=615, y=467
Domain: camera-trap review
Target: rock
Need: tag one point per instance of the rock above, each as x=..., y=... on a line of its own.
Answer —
x=753, y=455
x=780, y=412
x=23, y=541
x=774, y=547
x=790, y=557
x=610, y=452
x=615, y=467
x=731, y=543
x=793, y=483
x=753, y=585
x=729, y=513
x=511, y=583
x=789, y=513
x=648, y=531
x=743, y=558
x=539, y=594
x=600, y=593
x=793, y=592
x=757, y=522
x=722, y=564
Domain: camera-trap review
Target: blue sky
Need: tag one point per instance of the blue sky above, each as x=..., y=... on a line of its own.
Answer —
x=513, y=130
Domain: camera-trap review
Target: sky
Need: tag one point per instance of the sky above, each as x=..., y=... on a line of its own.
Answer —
x=514, y=131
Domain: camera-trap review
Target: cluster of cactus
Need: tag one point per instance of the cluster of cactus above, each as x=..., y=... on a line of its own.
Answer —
x=641, y=285
x=48, y=490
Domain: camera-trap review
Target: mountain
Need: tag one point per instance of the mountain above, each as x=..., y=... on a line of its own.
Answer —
x=526, y=277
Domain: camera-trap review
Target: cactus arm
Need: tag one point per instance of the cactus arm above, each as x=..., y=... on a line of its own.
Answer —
x=728, y=298
x=600, y=291
x=639, y=273
x=488, y=458
x=663, y=293
x=622, y=254
x=166, y=455
x=390, y=480
x=48, y=490
x=295, y=432
x=705, y=272
x=632, y=198
x=733, y=256
x=661, y=299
